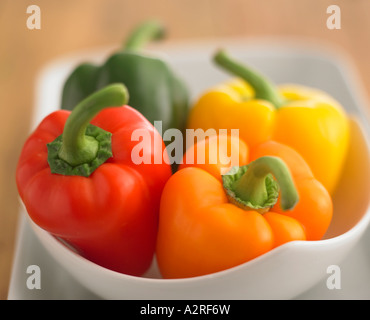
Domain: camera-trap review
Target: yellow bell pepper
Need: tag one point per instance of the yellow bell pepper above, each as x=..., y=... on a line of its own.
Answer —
x=307, y=119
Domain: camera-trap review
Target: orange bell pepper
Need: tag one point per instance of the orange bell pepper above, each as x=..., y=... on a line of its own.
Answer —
x=210, y=222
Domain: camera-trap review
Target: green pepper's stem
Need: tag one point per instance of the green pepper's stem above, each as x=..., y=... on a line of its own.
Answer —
x=251, y=187
x=78, y=148
x=149, y=30
x=263, y=88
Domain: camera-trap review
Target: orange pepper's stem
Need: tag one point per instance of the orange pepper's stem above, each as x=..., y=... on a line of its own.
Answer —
x=263, y=88
x=254, y=187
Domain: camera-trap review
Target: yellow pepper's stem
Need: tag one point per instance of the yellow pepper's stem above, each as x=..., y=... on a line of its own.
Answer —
x=263, y=88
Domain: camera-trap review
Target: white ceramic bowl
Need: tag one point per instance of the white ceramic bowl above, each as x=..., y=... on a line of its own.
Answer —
x=286, y=271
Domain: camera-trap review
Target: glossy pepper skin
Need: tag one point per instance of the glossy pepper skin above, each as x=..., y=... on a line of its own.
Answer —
x=155, y=90
x=308, y=120
x=98, y=201
x=206, y=227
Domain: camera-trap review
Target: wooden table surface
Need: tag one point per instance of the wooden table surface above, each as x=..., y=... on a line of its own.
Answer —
x=73, y=25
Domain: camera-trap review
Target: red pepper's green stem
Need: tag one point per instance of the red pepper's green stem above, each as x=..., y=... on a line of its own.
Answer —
x=263, y=88
x=251, y=187
x=78, y=148
x=149, y=30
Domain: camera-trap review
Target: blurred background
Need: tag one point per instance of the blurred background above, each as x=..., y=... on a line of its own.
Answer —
x=68, y=26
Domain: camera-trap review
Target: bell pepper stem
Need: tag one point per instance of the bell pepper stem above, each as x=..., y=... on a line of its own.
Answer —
x=252, y=187
x=147, y=31
x=78, y=148
x=263, y=88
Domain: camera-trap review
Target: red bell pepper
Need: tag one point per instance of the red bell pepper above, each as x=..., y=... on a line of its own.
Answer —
x=78, y=181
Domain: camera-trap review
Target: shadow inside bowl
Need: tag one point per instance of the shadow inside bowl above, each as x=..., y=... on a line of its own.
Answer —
x=351, y=198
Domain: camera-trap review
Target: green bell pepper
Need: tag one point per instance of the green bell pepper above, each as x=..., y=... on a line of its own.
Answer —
x=154, y=89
